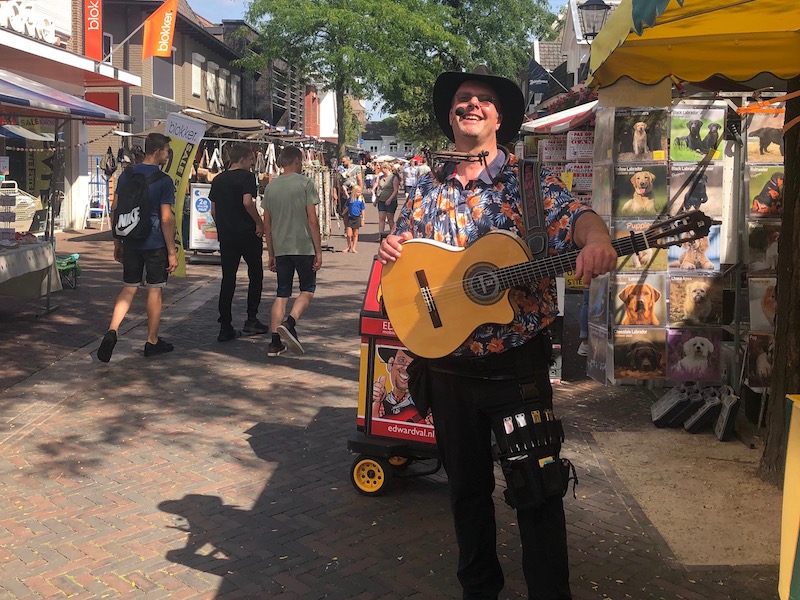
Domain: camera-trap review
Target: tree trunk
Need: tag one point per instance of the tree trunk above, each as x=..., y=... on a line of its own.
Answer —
x=340, y=114
x=786, y=368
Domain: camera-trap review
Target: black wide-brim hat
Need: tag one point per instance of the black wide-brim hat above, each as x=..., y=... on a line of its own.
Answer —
x=512, y=102
x=387, y=352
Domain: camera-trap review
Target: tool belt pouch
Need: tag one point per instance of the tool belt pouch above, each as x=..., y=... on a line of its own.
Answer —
x=528, y=447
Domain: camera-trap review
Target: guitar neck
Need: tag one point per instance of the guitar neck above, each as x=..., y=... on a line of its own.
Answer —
x=523, y=273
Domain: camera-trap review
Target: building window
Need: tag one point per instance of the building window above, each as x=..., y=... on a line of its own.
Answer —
x=223, y=86
x=108, y=43
x=197, y=74
x=211, y=81
x=392, y=147
x=164, y=76
x=407, y=147
x=235, y=91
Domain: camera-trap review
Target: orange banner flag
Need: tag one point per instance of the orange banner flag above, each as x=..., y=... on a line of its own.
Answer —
x=159, y=29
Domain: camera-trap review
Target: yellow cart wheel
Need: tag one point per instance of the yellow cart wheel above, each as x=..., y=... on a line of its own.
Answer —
x=399, y=463
x=370, y=476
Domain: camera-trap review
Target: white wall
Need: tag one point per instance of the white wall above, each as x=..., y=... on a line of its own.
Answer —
x=327, y=115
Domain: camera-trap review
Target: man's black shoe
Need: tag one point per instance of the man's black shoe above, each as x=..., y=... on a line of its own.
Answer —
x=254, y=327
x=160, y=347
x=227, y=333
x=276, y=350
x=107, y=346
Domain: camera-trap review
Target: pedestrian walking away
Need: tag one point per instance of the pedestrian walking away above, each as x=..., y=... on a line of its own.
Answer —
x=500, y=373
x=150, y=257
x=239, y=230
x=291, y=231
x=410, y=177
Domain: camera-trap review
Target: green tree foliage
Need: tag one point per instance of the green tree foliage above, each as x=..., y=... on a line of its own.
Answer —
x=354, y=46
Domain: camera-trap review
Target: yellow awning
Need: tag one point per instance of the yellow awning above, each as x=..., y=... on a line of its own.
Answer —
x=735, y=39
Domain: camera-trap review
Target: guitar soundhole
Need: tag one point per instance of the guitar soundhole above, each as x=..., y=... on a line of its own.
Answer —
x=481, y=284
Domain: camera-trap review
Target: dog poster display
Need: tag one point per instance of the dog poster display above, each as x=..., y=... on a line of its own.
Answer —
x=602, y=188
x=603, y=134
x=696, y=255
x=760, y=356
x=762, y=303
x=598, y=301
x=765, y=134
x=639, y=353
x=696, y=131
x=598, y=353
x=695, y=187
x=649, y=259
x=694, y=354
x=762, y=245
x=640, y=300
x=695, y=301
x=640, y=190
x=640, y=135
x=766, y=191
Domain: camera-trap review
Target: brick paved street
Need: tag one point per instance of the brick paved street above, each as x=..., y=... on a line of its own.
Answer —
x=215, y=472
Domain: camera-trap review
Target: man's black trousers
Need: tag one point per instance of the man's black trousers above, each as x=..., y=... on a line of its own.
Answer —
x=464, y=398
x=232, y=249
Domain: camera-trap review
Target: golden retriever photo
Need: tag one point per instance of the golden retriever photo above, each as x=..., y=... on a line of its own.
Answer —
x=639, y=303
x=695, y=301
x=642, y=201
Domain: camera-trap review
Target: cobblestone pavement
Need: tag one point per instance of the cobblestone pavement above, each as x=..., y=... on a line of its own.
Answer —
x=216, y=472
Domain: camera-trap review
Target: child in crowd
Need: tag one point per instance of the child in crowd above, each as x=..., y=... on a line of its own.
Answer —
x=352, y=220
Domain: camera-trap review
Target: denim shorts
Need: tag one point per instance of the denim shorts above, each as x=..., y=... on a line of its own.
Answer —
x=287, y=265
x=150, y=263
x=387, y=208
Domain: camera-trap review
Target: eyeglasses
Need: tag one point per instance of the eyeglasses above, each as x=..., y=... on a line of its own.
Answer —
x=484, y=100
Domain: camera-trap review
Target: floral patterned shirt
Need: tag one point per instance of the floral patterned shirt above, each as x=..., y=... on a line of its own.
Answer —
x=458, y=216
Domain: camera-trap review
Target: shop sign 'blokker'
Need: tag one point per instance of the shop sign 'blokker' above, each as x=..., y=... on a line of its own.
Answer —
x=159, y=29
x=36, y=19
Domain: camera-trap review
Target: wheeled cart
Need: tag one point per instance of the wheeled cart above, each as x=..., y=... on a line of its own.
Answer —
x=390, y=434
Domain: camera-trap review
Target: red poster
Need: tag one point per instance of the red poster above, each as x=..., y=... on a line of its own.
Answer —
x=93, y=29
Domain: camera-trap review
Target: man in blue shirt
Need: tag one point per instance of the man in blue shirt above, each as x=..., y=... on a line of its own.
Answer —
x=151, y=258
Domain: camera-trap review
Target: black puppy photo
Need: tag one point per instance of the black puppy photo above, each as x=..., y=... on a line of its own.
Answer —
x=625, y=138
x=711, y=141
x=693, y=140
x=697, y=194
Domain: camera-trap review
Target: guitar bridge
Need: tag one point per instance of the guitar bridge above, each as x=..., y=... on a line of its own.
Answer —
x=427, y=297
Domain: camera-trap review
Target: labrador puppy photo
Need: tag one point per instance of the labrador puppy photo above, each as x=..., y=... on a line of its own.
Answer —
x=639, y=303
x=640, y=138
x=711, y=141
x=642, y=200
x=625, y=138
x=767, y=136
x=639, y=355
x=693, y=140
x=697, y=194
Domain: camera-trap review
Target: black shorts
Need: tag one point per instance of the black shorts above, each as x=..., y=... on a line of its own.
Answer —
x=352, y=222
x=152, y=263
x=285, y=267
x=387, y=208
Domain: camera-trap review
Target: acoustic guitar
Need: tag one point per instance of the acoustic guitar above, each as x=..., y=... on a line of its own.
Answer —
x=436, y=295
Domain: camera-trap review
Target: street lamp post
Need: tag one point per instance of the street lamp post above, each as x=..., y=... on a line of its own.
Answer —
x=593, y=15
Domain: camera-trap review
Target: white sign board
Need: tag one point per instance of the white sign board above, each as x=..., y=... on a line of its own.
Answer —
x=202, y=228
x=580, y=145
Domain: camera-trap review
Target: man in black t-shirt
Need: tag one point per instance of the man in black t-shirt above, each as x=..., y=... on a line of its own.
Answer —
x=239, y=230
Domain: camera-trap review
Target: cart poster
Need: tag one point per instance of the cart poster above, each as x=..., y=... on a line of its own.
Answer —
x=760, y=356
x=766, y=191
x=762, y=245
x=393, y=412
x=639, y=300
x=202, y=228
x=639, y=353
x=694, y=354
x=696, y=131
x=697, y=255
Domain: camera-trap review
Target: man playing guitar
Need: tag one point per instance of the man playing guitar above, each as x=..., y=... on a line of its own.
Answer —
x=500, y=368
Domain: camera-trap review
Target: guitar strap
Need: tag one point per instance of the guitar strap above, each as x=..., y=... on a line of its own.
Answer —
x=530, y=172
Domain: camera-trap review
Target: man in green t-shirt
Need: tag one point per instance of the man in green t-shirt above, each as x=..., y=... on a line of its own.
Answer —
x=291, y=230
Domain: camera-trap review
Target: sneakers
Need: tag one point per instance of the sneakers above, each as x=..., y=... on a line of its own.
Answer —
x=583, y=349
x=160, y=347
x=289, y=335
x=107, y=346
x=254, y=327
x=227, y=333
x=273, y=350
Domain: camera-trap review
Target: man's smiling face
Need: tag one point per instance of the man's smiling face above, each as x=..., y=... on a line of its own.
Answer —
x=481, y=118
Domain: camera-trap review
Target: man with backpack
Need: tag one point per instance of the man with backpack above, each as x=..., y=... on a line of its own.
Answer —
x=143, y=225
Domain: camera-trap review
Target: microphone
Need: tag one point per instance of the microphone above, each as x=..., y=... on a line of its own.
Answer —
x=461, y=111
